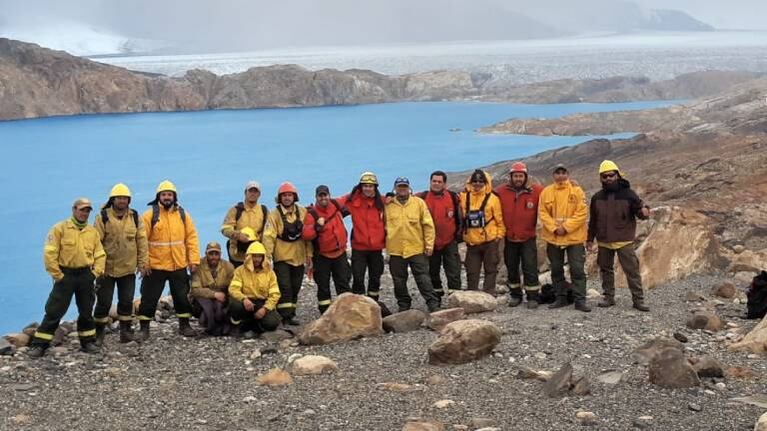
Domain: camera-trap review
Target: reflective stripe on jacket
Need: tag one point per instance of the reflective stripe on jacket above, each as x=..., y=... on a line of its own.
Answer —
x=255, y=284
x=68, y=246
x=173, y=244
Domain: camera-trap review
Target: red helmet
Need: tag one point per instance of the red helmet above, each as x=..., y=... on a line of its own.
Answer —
x=287, y=187
x=519, y=167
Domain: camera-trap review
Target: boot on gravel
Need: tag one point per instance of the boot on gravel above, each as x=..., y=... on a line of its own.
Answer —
x=126, y=332
x=581, y=305
x=185, y=329
x=515, y=297
x=607, y=301
x=144, y=331
x=532, y=299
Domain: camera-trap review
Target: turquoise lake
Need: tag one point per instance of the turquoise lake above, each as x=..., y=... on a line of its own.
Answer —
x=210, y=155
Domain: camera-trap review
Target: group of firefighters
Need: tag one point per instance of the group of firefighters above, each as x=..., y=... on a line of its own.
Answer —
x=270, y=251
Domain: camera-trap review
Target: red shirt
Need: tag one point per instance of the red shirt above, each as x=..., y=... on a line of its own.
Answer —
x=368, y=229
x=332, y=237
x=520, y=211
x=443, y=211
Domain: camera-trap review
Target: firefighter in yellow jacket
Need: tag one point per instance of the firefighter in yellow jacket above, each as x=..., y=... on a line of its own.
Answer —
x=74, y=257
x=253, y=294
x=409, y=242
x=283, y=239
x=124, y=239
x=563, y=212
x=247, y=214
x=173, y=249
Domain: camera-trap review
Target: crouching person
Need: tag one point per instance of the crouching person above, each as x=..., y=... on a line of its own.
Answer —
x=209, y=290
x=253, y=294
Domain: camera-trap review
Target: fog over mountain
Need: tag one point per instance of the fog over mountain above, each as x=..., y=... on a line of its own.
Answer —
x=104, y=26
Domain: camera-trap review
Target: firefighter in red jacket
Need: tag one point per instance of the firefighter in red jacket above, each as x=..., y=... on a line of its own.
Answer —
x=324, y=226
x=445, y=208
x=519, y=200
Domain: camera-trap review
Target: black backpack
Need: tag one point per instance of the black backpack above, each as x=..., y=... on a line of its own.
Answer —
x=105, y=219
x=291, y=232
x=242, y=247
x=756, y=307
x=156, y=214
x=548, y=293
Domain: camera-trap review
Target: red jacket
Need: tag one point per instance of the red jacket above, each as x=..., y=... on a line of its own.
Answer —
x=368, y=229
x=446, y=220
x=520, y=211
x=331, y=237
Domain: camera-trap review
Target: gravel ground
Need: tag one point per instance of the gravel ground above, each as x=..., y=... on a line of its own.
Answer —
x=209, y=384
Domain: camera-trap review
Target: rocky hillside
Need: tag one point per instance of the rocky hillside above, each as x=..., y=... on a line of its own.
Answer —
x=38, y=82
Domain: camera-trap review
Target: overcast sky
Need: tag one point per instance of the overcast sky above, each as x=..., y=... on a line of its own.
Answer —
x=242, y=24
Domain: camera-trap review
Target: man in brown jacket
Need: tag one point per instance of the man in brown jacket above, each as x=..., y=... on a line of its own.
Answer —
x=209, y=290
x=124, y=239
x=613, y=214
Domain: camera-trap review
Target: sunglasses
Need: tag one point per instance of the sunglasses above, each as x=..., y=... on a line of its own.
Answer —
x=610, y=175
x=478, y=181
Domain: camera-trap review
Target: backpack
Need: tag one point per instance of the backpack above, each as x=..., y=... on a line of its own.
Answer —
x=156, y=215
x=548, y=293
x=339, y=210
x=476, y=218
x=756, y=307
x=456, y=212
x=291, y=232
x=105, y=219
x=239, y=208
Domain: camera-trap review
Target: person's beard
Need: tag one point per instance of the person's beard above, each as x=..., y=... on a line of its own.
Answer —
x=614, y=186
x=167, y=204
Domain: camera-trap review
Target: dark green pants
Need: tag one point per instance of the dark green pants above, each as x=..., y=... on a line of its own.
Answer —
x=78, y=283
x=526, y=255
x=239, y=315
x=449, y=259
x=126, y=289
x=289, y=279
x=324, y=268
x=576, y=257
x=372, y=262
x=478, y=257
x=151, y=289
x=629, y=262
x=419, y=266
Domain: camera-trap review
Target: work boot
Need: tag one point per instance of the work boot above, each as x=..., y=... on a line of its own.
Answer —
x=126, y=333
x=185, y=329
x=235, y=331
x=640, y=305
x=515, y=297
x=291, y=321
x=607, y=301
x=89, y=347
x=560, y=302
x=532, y=299
x=100, y=334
x=36, y=351
x=144, y=331
x=580, y=305
x=434, y=306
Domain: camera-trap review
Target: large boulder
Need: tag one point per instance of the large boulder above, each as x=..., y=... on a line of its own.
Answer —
x=670, y=369
x=439, y=319
x=646, y=352
x=761, y=423
x=350, y=316
x=464, y=341
x=755, y=341
x=312, y=365
x=405, y=321
x=472, y=301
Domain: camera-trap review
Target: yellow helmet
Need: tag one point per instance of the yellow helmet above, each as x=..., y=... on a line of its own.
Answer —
x=166, y=186
x=607, y=166
x=368, y=178
x=256, y=248
x=250, y=233
x=119, y=189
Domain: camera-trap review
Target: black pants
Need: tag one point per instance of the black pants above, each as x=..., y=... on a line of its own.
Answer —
x=373, y=263
x=449, y=259
x=77, y=283
x=324, y=268
x=126, y=289
x=235, y=263
x=238, y=315
x=576, y=257
x=289, y=279
x=628, y=260
x=419, y=265
x=151, y=289
x=526, y=255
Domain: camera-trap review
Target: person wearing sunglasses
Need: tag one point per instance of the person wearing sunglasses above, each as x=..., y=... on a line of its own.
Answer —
x=613, y=213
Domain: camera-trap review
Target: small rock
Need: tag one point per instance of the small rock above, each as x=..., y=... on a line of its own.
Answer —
x=694, y=297
x=644, y=353
x=694, y=407
x=276, y=336
x=23, y=387
x=439, y=319
x=423, y=425
x=529, y=373
x=725, y=290
x=610, y=377
x=255, y=355
x=680, y=337
x=738, y=248
x=312, y=365
x=275, y=377
x=707, y=366
x=18, y=339
x=21, y=419
x=434, y=380
x=721, y=386
x=398, y=387
x=586, y=418
x=581, y=386
x=464, y=341
x=477, y=423
x=740, y=373
x=6, y=348
x=404, y=321
x=704, y=319
x=540, y=355
x=559, y=383
x=441, y=404
x=249, y=399
x=670, y=369
x=643, y=422
x=592, y=293
x=761, y=423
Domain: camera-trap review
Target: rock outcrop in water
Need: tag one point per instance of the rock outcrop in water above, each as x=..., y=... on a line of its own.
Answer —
x=39, y=82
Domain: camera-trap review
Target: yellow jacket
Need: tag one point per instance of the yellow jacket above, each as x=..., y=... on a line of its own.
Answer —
x=252, y=217
x=494, y=227
x=409, y=227
x=173, y=244
x=255, y=284
x=563, y=204
x=67, y=246
x=294, y=253
x=204, y=285
x=124, y=243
